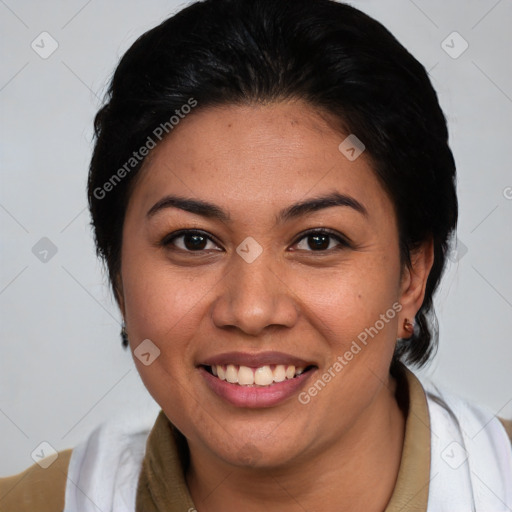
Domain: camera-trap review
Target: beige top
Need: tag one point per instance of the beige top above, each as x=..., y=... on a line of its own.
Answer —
x=162, y=485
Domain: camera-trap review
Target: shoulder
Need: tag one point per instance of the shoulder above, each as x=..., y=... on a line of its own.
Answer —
x=36, y=488
x=507, y=424
x=475, y=427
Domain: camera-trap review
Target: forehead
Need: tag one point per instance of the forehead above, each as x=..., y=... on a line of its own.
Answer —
x=248, y=155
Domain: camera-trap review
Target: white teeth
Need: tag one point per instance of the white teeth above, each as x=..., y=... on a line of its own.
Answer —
x=279, y=373
x=262, y=376
x=246, y=376
x=231, y=374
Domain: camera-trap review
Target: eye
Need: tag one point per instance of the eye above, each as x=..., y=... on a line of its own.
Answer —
x=189, y=241
x=319, y=240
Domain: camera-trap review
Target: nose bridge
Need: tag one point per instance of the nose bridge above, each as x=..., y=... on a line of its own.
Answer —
x=254, y=296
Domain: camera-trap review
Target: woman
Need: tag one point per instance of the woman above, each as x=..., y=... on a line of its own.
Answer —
x=273, y=194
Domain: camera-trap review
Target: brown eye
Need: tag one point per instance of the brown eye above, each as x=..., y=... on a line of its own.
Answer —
x=190, y=241
x=321, y=241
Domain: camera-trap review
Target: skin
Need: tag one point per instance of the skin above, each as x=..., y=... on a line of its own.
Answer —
x=253, y=161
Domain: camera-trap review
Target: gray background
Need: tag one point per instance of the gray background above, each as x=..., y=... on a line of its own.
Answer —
x=62, y=368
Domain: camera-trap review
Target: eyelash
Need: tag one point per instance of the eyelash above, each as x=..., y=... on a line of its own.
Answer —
x=344, y=243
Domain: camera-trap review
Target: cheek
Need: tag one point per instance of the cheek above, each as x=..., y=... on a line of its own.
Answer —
x=352, y=298
x=158, y=299
x=164, y=307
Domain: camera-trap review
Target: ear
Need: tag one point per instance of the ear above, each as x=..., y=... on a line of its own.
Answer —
x=413, y=283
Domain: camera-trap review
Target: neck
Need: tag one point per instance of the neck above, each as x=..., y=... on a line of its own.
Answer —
x=338, y=478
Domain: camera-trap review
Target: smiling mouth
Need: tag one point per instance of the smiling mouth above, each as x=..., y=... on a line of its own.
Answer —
x=267, y=375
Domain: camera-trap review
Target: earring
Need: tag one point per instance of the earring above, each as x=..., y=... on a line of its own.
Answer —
x=408, y=326
x=124, y=336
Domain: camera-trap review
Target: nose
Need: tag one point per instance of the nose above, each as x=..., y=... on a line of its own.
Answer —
x=254, y=296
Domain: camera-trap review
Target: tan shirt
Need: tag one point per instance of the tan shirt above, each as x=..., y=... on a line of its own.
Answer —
x=43, y=490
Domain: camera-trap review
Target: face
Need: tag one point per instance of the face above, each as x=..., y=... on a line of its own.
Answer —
x=264, y=266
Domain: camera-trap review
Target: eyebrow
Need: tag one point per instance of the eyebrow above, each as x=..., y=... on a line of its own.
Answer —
x=212, y=211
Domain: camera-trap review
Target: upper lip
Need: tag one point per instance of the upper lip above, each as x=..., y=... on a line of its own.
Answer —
x=256, y=360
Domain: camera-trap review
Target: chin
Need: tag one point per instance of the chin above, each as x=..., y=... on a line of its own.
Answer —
x=260, y=453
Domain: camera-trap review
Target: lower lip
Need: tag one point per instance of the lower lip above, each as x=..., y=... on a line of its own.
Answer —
x=255, y=397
